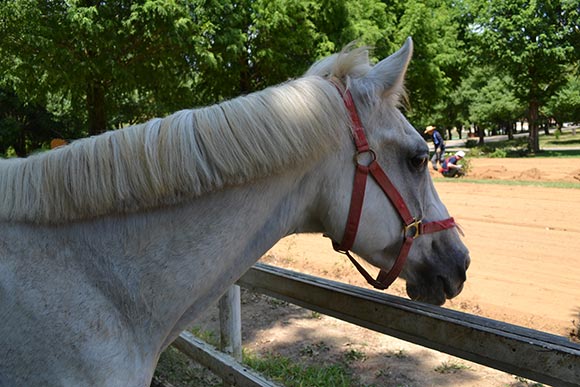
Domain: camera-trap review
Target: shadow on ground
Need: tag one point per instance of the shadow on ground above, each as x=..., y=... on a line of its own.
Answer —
x=275, y=328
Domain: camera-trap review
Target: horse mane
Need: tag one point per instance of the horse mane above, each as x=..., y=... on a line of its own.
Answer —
x=187, y=154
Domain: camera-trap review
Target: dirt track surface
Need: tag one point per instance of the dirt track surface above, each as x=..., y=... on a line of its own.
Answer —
x=525, y=248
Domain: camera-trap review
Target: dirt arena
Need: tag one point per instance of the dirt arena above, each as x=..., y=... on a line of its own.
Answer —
x=524, y=243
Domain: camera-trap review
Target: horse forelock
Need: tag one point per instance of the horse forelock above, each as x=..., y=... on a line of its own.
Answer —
x=184, y=155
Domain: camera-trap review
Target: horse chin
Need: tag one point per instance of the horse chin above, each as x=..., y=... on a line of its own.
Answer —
x=434, y=292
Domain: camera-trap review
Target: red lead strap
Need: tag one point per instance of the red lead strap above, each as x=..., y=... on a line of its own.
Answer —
x=412, y=227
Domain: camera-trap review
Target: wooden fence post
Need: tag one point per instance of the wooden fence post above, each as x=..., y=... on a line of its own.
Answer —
x=231, y=323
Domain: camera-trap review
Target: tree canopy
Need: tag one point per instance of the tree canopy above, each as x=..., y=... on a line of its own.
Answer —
x=90, y=66
x=532, y=42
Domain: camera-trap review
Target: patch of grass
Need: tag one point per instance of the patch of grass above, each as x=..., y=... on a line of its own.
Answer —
x=313, y=350
x=500, y=149
x=519, y=147
x=399, y=354
x=563, y=153
x=527, y=382
x=207, y=336
x=354, y=355
x=561, y=140
x=315, y=315
x=290, y=374
x=178, y=370
x=276, y=303
x=575, y=331
x=451, y=367
x=547, y=184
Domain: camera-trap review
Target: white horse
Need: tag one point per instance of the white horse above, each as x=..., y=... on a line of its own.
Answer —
x=112, y=245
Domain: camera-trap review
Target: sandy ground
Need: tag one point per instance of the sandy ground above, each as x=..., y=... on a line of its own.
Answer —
x=524, y=243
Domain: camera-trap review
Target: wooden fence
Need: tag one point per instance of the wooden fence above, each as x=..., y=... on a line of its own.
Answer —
x=532, y=354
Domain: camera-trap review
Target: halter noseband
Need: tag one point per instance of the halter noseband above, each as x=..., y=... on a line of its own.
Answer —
x=412, y=227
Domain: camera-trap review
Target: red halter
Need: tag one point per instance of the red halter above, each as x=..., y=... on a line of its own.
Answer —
x=412, y=227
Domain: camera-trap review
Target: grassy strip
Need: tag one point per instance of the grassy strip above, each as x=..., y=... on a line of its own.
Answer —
x=177, y=369
x=291, y=374
x=518, y=147
x=180, y=371
x=547, y=184
x=564, y=139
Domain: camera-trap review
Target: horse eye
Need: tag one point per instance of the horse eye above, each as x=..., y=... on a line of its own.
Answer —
x=420, y=162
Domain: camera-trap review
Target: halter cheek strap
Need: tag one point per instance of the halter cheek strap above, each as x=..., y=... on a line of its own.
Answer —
x=412, y=227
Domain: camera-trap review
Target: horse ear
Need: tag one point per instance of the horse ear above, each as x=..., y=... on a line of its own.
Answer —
x=388, y=75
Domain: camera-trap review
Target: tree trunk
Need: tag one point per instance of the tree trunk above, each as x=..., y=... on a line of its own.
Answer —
x=20, y=144
x=481, y=134
x=510, y=130
x=533, y=139
x=459, y=129
x=96, y=108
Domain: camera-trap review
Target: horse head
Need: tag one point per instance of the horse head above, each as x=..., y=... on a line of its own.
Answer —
x=401, y=227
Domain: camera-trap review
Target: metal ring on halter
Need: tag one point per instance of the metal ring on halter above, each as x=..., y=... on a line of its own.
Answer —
x=359, y=153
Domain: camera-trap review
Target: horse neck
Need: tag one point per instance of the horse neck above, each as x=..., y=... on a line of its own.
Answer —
x=190, y=254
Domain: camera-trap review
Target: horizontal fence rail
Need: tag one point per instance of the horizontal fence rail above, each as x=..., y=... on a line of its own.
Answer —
x=221, y=364
x=524, y=352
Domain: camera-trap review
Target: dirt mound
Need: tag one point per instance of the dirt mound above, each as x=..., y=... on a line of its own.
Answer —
x=499, y=172
x=530, y=174
x=527, y=169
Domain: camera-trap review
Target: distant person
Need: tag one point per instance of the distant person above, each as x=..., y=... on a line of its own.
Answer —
x=450, y=166
x=439, y=145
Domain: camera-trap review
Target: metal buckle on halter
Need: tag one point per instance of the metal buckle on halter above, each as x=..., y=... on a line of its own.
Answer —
x=413, y=229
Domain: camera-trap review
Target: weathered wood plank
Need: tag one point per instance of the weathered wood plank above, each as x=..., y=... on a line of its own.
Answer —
x=219, y=363
x=525, y=352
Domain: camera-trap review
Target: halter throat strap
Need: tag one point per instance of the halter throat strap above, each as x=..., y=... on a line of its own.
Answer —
x=412, y=227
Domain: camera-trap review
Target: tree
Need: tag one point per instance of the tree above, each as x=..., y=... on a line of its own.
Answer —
x=564, y=106
x=25, y=127
x=256, y=44
x=101, y=55
x=531, y=41
x=259, y=43
x=495, y=105
x=438, y=61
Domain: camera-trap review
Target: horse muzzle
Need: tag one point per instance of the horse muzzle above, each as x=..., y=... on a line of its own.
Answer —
x=436, y=285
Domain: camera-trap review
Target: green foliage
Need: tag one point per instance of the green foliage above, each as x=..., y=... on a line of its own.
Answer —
x=532, y=42
x=465, y=165
x=117, y=63
x=26, y=127
x=94, y=66
x=451, y=367
x=518, y=147
x=494, y=103
x=564, y=106
x=100, y=55
x=353, y=355
x=438, y=59
x=501, y=149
